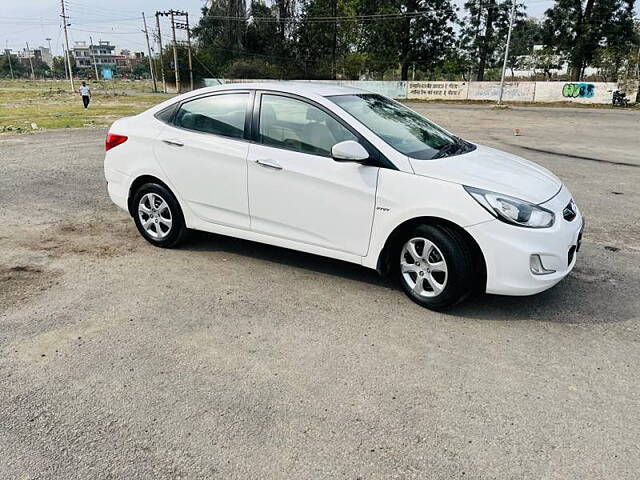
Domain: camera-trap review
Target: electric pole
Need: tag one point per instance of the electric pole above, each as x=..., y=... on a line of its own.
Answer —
x=66, y=41
x=189, y=44
x=93, y=56
x=164, y=82
x=506, y=50
x=174, y=25
x=176, y=68
x=33, y=75
x=146, y=34
x=335, y=40
x=9, y=58
x=185, y=26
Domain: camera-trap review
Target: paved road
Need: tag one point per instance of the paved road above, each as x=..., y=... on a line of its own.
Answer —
x=230, y=359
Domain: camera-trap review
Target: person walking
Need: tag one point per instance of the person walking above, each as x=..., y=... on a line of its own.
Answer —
x=85, y=92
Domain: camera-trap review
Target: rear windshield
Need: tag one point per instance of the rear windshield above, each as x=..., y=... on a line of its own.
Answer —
x=401, y=127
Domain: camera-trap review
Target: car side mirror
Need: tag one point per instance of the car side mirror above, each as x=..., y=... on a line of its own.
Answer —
x=349, y=151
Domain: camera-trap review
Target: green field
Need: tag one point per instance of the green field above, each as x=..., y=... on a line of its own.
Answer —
x=51, y=104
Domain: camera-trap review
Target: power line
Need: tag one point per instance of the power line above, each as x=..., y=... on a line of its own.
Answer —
x=104, y=32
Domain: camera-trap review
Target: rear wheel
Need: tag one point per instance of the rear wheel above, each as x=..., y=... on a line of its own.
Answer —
x=436, y=266
x=158, y=216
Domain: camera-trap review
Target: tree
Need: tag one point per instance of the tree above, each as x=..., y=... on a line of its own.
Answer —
x=263, y=35
x=527, y=32
x=5, y=69
x=484, y=31
x=221, y=32
x=322, y=43
x=183, y=65
x=57, y=67
x=578, y=28
x=140, y=69
x=248, y=69
x=268, y=40
x=40, y=68
x=422, y=34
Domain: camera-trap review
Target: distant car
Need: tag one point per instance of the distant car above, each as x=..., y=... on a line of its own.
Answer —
x=346, y=174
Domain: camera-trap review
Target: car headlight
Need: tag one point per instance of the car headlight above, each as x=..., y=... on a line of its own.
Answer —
x=512, y=210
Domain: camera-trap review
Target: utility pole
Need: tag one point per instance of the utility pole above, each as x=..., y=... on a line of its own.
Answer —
x=66, y=68
x=189, y=44
x=33, y=74
x=146, y=34
x=176, y=68
x=506, y=50
x=335, y=40
x=50, y=52
x=164, y=82
x=93, y=56
x=185, y=26
x=66, y=41
x=9, y=58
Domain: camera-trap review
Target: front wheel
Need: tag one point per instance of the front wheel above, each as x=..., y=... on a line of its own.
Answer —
x=436, y=266
x=158, y=216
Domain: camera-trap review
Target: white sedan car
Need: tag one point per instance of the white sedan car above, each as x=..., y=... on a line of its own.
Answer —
x=347, y=174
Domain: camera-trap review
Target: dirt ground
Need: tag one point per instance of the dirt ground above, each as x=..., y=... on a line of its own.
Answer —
x=231, y=359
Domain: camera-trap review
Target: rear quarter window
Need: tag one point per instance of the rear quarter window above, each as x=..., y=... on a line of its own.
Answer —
x=166, y=114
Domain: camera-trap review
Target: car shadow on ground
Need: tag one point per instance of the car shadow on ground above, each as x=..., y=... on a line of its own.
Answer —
x=582, y=297
x=202, y=241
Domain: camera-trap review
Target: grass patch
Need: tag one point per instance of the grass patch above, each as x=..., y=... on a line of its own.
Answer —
x=50, y=105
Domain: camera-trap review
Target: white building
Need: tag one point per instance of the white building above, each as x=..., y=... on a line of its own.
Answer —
x=103, y=53
x=40, y=53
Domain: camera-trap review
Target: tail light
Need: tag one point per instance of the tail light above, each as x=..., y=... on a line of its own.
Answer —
x=113, y=140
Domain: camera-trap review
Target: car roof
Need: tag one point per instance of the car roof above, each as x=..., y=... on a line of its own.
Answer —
x=306, y=89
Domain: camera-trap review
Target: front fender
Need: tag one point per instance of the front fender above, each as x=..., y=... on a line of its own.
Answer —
x=401, y=197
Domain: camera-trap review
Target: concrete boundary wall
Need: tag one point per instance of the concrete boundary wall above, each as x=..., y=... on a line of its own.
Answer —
x=577, y=92
x=513, y=91
x=438, y=90
x=538, y=92
x=390, y=89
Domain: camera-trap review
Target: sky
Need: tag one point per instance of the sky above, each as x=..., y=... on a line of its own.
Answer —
x=118, y=21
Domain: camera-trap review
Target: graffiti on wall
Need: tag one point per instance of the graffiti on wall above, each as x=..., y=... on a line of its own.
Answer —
x=437, y=89
x=578, y=90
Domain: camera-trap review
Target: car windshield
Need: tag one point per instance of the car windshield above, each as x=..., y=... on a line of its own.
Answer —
x=401, y=127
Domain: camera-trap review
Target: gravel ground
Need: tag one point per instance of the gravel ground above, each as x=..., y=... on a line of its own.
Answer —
x=230, y=359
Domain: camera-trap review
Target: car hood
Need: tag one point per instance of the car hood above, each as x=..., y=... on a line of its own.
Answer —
x=493, y=170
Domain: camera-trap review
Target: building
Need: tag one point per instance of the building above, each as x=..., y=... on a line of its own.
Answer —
x=41, y=53
x=103, y=54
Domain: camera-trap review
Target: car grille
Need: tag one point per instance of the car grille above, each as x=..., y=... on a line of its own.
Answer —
x=569, y=213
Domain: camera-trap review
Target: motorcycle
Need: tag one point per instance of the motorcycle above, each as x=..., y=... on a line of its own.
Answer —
x=620, y=99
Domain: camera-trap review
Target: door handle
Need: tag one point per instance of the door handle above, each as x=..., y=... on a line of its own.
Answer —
x=174, y=143
x=269, y=164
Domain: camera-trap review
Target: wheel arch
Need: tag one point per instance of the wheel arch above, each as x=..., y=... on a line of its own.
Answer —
x=138, y=182
x=384, y=264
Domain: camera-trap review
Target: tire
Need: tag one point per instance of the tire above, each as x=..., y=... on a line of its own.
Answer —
x=448, y=273
x=158, y=216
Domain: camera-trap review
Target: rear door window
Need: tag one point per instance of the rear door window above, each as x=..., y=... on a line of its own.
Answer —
x=218, y=114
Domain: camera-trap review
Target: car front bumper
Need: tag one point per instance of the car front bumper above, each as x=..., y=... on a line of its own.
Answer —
x=507, y=250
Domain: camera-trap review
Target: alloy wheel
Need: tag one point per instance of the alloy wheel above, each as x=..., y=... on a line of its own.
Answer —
x=423, y=267
x=155, y=216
